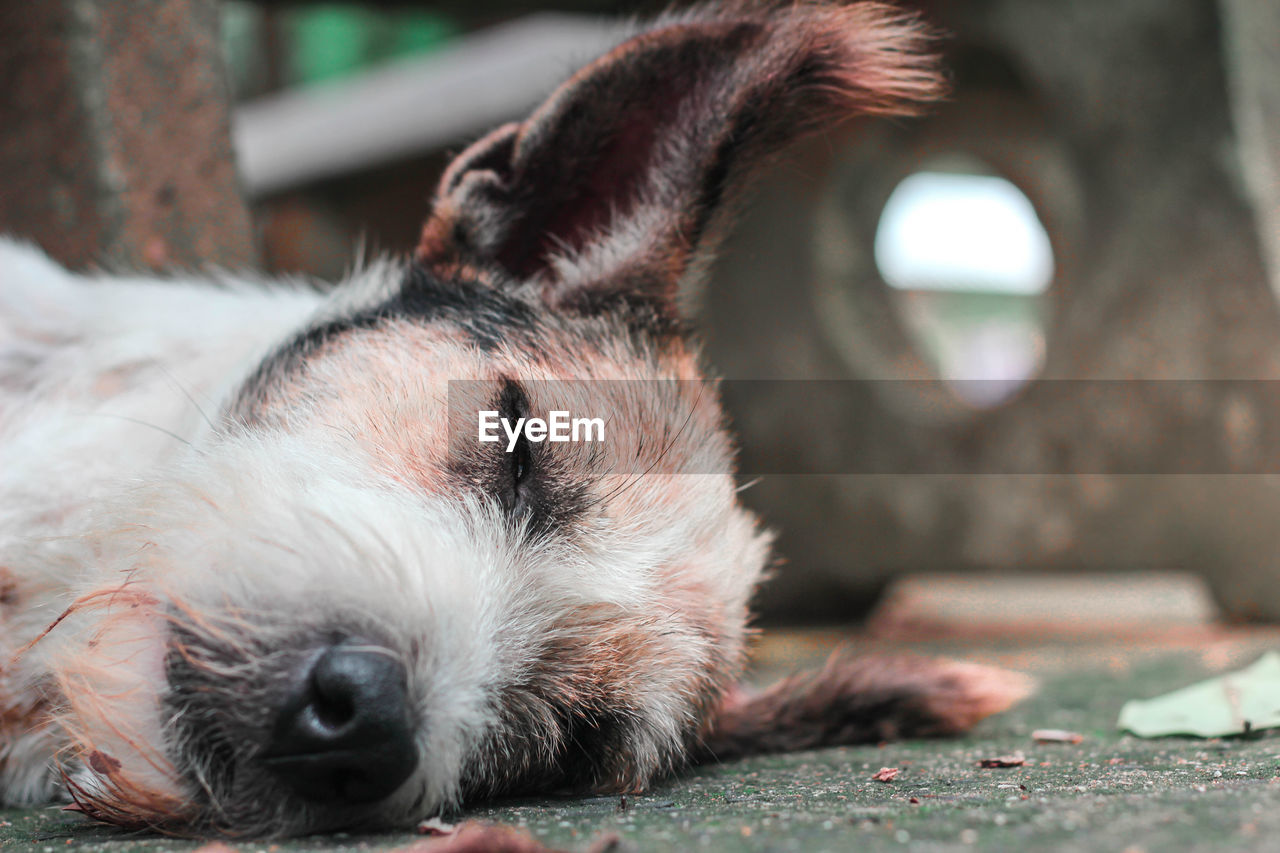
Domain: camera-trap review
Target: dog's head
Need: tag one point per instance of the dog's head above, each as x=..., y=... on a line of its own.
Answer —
x=338, y=610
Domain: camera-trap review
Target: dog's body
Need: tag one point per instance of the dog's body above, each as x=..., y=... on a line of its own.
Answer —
x=249, y=582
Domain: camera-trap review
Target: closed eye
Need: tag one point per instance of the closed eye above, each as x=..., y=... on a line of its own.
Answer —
x=518, y=464
x=540, y=491
x=521, y=463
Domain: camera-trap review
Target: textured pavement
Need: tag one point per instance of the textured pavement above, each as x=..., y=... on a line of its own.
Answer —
x=1109, y=792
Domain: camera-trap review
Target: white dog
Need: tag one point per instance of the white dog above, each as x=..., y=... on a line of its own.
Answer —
x=254, y=578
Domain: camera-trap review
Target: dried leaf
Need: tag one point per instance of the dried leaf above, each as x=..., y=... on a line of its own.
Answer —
x=1056, y=736
x=475, y=837
x=1015, y=760
x=886, y=774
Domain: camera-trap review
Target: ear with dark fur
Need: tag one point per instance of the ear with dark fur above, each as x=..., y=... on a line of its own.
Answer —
x=860, y=700
x=616, y=188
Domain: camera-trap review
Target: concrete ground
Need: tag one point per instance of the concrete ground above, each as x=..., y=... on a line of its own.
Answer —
x=1109, y=792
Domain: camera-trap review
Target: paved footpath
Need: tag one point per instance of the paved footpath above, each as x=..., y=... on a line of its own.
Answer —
x=1109, y=792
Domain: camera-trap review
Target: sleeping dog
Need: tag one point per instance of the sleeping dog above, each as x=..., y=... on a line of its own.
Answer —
x=257, y=576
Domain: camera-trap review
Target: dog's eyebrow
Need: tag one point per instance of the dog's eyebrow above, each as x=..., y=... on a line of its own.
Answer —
x=486, y=314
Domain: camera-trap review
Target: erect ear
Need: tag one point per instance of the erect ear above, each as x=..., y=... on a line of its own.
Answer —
x=618, y=187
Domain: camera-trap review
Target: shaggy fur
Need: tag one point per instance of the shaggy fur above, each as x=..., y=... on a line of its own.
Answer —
x=204, y=483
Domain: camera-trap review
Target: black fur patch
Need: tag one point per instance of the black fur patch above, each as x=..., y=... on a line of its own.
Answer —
x=488, y=314
x=224, y=695
x=485, y=313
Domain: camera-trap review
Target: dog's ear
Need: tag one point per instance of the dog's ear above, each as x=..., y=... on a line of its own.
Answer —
x=618, y=187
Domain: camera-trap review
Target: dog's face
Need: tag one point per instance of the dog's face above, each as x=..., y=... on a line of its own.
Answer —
x=342, y=608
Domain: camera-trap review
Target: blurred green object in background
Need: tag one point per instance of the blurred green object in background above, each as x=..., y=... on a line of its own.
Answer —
x=328, y=42
x=324, y=41
x=419, y=31
x=334, y=40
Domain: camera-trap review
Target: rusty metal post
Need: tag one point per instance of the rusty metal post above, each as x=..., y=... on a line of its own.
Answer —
x=114, y=134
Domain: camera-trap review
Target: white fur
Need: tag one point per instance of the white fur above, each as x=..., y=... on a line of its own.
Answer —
x=112, y=477
x=102, y=381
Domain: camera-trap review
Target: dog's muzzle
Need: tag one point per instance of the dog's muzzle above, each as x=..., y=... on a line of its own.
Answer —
x=345, y=733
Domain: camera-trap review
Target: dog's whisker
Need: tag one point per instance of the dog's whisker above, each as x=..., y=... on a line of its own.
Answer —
x=146, y=424
x=188, y=395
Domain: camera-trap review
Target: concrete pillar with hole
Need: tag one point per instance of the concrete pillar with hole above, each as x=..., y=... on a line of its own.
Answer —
x=1116, y=122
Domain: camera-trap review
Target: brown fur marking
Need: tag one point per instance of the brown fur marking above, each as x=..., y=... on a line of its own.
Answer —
x=8, y=587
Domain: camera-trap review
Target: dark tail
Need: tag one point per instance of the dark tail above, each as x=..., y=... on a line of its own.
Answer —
x=860, y=700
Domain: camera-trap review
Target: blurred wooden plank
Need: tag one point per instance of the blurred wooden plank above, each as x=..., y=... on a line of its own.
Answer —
x=412, y=106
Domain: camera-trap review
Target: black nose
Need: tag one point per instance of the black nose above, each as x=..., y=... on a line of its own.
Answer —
x=345, y=734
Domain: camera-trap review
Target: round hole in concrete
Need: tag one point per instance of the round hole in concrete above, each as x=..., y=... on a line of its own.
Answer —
x=968, y=264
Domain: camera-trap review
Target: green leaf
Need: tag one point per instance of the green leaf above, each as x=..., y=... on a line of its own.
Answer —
x=1232, y=704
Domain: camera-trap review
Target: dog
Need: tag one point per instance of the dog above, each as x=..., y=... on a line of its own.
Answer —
x=255, y=581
